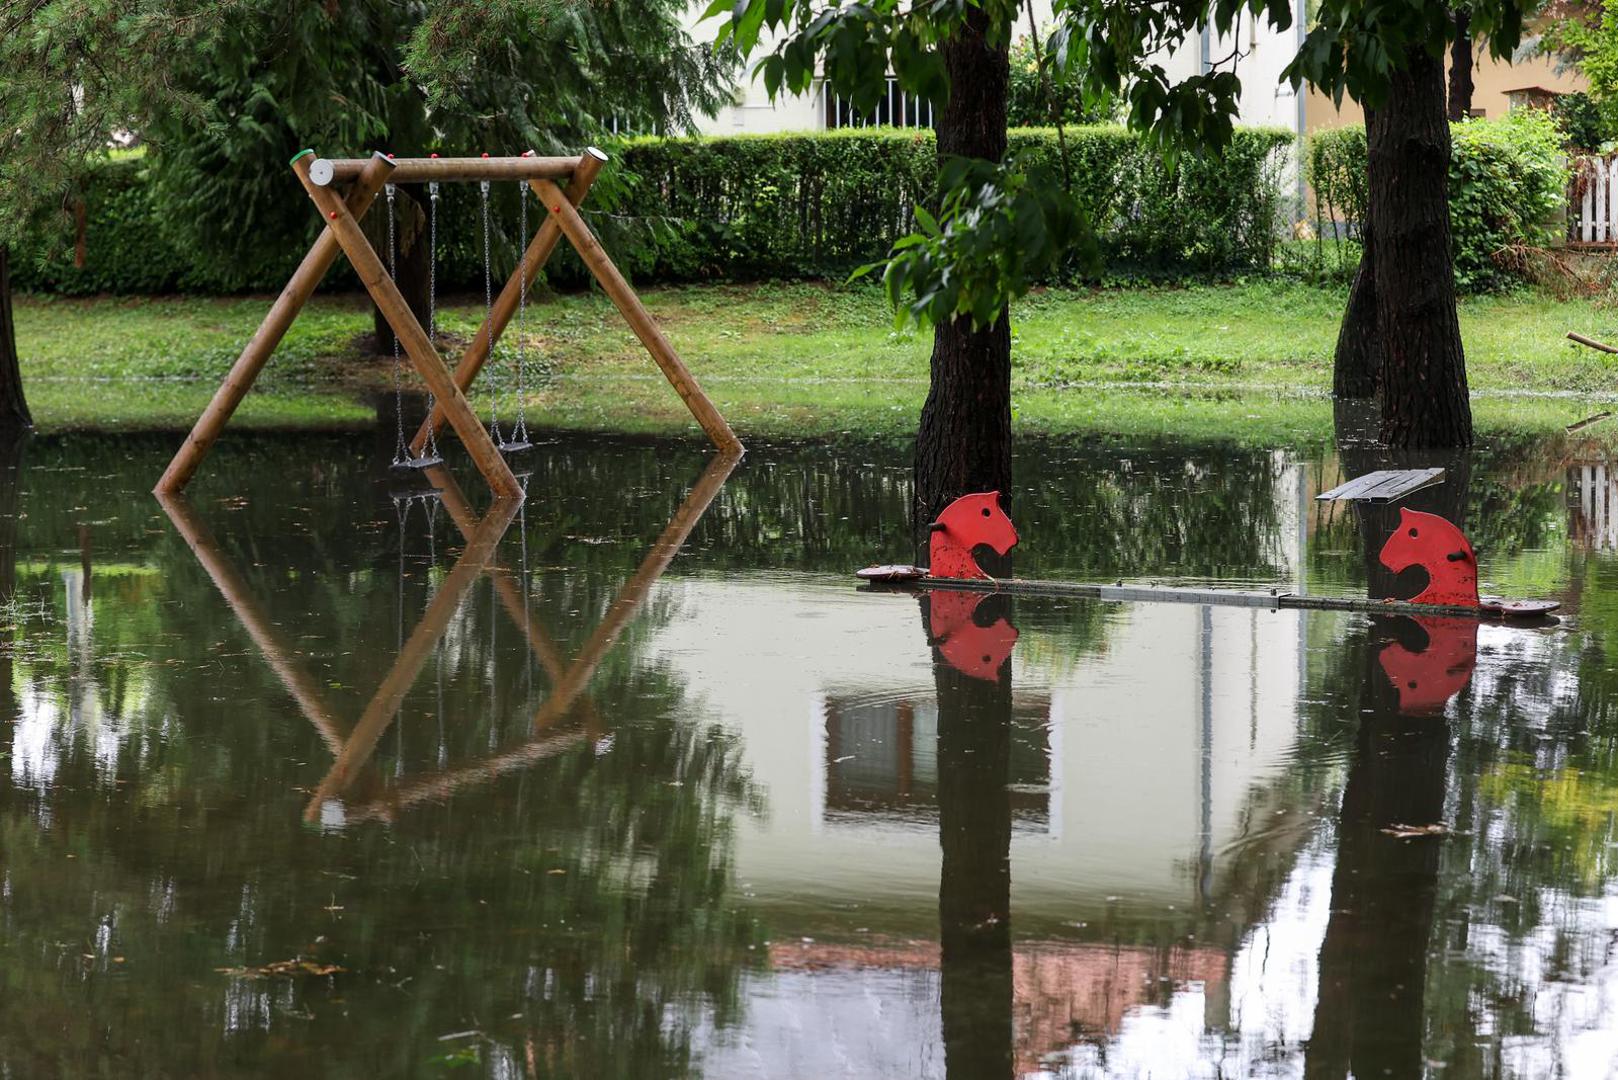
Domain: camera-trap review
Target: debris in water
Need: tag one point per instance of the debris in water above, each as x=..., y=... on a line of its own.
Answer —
x=1407, y=832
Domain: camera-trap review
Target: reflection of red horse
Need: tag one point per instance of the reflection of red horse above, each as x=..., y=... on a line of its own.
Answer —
x=1426, y=680
x=971, y=649
x=966, y=523
x=1429, y=541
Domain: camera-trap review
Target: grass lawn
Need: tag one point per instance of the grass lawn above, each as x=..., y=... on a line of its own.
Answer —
x=1247, y=360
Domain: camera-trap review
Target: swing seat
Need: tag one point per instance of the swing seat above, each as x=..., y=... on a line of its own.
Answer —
x=511, y=446
x=425, y=461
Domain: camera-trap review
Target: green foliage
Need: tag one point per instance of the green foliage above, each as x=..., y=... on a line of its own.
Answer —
x=1001, y=229
x=752, y=208
x=1507, y=180
x=788, y=206
x=1028, y=103
x=1581, y=121
x=223, y=92
x=1588, y=36
x=1108, y=51
x=1355, y=47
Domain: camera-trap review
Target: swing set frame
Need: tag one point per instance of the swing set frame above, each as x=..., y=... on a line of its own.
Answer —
x=365, y=179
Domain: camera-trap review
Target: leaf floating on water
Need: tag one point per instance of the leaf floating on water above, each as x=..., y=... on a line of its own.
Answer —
x=1408, y=832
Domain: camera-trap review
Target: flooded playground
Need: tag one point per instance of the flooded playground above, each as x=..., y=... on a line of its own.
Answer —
x=329, y=771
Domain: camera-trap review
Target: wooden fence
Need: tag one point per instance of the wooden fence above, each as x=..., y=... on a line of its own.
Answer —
x=1592, y=200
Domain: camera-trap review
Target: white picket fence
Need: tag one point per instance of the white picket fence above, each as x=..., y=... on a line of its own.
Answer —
x=1593, y=199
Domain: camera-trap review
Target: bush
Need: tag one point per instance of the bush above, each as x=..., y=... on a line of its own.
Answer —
x=1581, y=121
x=814, y=205
x=747, y=208
x=1507, y=184
x=1028, y=104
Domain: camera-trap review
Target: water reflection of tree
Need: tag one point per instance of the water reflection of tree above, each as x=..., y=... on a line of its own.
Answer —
x=974, y=891
x=1369, y=1015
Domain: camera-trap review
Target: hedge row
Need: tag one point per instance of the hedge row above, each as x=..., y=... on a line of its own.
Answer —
x=1508, y=181
x=764, y=207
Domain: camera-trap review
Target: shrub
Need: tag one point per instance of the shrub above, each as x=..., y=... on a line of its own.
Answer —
x=810, y=205
x=1581, y=121
x=1507, y=183
x=1028, y=105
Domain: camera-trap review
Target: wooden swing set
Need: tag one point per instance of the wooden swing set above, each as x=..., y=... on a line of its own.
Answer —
x=365, y=179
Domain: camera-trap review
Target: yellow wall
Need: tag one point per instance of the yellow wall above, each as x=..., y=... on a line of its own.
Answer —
x=1491, y=79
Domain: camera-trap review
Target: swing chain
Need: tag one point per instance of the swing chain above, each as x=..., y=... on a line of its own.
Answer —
x=431, y=449
x=401, y=450
x=488, y=317
x=520, y=432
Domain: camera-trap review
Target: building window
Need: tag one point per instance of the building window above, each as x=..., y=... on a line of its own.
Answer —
x=895, y=109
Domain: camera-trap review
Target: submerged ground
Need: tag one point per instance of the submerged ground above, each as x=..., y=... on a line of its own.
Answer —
x=1248, y=361
x=324, y=772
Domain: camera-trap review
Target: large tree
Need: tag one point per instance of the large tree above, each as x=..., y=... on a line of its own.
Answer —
x=1400, y=337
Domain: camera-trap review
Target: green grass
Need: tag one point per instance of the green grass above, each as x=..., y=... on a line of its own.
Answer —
x=1250, y=361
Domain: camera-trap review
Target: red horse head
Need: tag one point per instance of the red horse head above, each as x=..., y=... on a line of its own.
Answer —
x=1429, y=541
x=965, y=523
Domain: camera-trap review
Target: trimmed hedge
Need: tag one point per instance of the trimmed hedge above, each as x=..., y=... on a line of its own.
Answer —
x=1508, y=181
x=784, y=206
x=749, y=208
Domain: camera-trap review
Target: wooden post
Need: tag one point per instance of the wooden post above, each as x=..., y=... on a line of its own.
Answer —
x=423, y=356
x=639, y=319
x=418, y=647
x=303, y=688
x=298, y=289
x=505, y=305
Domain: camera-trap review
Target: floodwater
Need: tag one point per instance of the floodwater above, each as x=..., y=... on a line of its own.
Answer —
x=317, y=775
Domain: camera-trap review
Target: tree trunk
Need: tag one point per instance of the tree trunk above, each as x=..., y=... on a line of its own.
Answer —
x=974, y=887
x=414, y=265
x=14, y=413
x=1357, y=364
x=1460, y=67
x=963, y=443
x=1423, y=386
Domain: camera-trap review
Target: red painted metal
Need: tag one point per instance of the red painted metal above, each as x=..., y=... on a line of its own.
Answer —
x=1435, y=544
x=978, y=651
x=1426, y=680
x=966, y=523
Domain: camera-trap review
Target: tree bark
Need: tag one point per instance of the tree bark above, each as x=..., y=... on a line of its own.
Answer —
x=974, y=887
x=963, y=443
x=1357, y=363
x=1460, y=67
x=14, y=414
x=1423, y=385
x=414, y=264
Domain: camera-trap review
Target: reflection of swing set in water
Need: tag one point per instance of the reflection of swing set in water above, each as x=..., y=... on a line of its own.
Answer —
x=368, y=177
x=547, y=737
